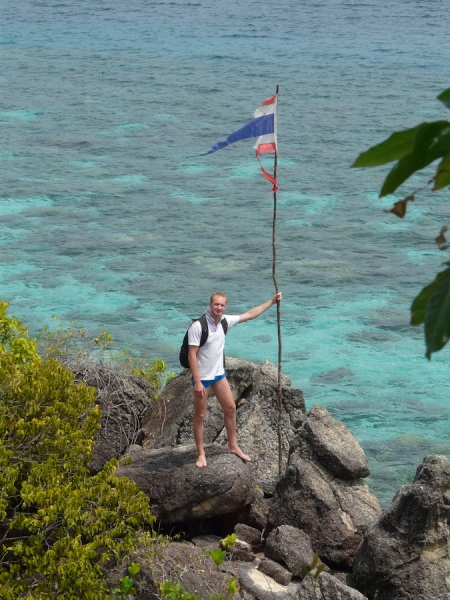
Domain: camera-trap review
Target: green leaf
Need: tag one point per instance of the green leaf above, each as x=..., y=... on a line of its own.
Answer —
x=437, y=315
x=232, y=586
x=419, y=305
x=229, y=541
x=217, y=555
x=440, y=145
x=432, y=141
x=134, y=568
x=444, y=97
x=126, y=584
x=320, y=568
x=305, y=568
x=166, y=587
x=314, y=562
x=396, y=146
x=442, y=173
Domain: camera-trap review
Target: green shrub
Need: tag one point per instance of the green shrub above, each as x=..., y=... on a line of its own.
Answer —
x=14, y=338
x=58, y=525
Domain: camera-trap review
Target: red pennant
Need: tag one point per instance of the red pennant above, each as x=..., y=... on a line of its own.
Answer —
x=271, y=179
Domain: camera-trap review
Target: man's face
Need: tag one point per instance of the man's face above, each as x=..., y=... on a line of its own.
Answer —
x=217, y=306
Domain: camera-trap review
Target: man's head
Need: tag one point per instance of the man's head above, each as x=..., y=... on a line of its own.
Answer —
x=221, y=294
x=217, y=304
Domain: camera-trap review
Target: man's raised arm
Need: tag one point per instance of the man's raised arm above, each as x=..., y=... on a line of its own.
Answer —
x=258, y=310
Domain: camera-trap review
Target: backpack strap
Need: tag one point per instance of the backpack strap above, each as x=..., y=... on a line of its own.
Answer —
x=224, y=325
x=225, y=329
x=205, y=330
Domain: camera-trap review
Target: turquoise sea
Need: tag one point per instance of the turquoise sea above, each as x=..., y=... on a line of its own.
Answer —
x=105, y=222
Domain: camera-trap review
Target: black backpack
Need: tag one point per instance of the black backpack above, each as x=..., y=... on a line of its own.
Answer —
x=184, y=350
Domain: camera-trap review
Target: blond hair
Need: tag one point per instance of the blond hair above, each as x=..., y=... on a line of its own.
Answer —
x=217, y=294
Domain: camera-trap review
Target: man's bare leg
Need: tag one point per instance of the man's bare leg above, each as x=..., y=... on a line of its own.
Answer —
x=200, y=402
x=223, y=394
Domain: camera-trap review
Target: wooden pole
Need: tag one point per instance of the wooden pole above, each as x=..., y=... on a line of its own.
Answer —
x=280, y=345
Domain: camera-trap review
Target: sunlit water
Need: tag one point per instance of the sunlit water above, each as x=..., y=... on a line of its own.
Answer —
x=104, y=220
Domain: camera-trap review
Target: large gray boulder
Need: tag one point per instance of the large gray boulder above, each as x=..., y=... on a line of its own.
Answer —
x=254, y=388
x=122, y=399
x=179, y=491
x=275, y=570
x=406, y=554
x=290, y=546
x=335, y=513
x=334, y=446
x=250, y=535
x=327, y=587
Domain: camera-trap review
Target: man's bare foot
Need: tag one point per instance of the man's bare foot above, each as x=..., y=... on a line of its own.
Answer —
x=201, y=462
x=236, y=450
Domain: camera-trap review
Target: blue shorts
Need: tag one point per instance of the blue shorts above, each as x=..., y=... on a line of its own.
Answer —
x=207, y=382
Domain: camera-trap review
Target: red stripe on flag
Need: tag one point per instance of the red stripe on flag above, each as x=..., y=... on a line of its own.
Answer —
x=264, y=148
x=271, y=179
x=270, y=100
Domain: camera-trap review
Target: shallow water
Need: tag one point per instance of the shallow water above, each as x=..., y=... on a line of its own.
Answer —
x=104, y=221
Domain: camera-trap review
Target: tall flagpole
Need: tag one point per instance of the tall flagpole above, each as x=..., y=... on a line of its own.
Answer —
x=280, y=345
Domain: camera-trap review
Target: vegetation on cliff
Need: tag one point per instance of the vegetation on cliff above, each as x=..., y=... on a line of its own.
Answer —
x=59, y=525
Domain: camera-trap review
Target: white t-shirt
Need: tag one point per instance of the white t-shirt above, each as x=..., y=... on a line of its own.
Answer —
x=210, y=355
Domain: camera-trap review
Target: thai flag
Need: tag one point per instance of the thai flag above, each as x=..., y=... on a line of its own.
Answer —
x=264, y=127
x=267, y=112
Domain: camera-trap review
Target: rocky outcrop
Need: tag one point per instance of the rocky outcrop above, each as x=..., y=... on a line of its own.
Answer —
x=320, y=506
x=190, y=566
x=179, y=491
x=254, y=387
x=406, y=554
x=335, y=513
x=122, y=399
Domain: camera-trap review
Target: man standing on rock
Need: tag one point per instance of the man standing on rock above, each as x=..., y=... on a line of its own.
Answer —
x=207, y=368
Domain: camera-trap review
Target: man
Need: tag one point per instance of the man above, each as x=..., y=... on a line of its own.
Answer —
x=207, y=368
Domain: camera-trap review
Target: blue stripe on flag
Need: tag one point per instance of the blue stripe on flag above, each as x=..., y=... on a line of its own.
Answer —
x=254, y=128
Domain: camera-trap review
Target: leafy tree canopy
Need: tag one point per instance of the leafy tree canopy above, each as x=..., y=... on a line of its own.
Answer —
x=412, y=150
